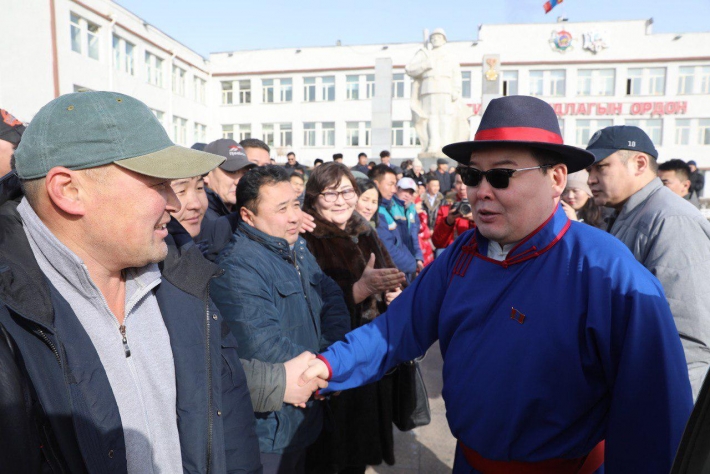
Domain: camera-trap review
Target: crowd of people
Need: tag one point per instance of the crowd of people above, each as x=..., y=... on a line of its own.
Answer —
x=165, y=309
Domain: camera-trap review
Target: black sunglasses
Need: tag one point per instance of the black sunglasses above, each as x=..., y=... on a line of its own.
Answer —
x=498, y=178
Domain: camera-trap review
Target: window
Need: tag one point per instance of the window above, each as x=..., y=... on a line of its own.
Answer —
x=510, y=83
x=309, y=134
x=352, y=87
x=357, y=133
x=352, y=133
x=153, y=69
x=466, y=84
x=694, y=80
x=123, y=55
x=547, y=83
x=705, y=80
x=286, y=90
x=369, y=86
x=276, y=134
x=328, y=134
x=587, y=127
x=595, y=82
x=227, y=93
x=242, y=89
x=398, y=84
x=685, y=80
x=412, y=134
x=319, y=134
x=646, y=81
x=228, y=131
x=397, y=133
x=200, y=133
x=276, y=90
x=180, y=130
x=267, y=91
x=200, y=87
x=561, y=123
x=84, y=36
x=557, y=83
x=652, y=127
x=178, y=80
x=704, y=132
x=267, y=133
x=682, y=131
x=244, y=131
x=160, y=116
x=309, y=89
x=404, y=134
x=536, y=84
x=319, y=89
x=285, y=134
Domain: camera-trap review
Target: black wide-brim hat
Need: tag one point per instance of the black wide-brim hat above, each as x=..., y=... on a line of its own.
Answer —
x=524, y=121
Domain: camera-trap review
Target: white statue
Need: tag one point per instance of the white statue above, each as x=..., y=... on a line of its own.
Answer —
x=439, y=114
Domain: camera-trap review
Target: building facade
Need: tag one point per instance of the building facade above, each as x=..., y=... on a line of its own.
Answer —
x=319, y=101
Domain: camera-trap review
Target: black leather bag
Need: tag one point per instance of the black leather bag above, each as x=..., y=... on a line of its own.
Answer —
x=410, y=402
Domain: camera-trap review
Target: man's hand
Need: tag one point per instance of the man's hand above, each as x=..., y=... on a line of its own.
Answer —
x=317, y=370
x=296, y=393
x=308, y=223
x=376, y=280
x=391, y=295
x=420, y=266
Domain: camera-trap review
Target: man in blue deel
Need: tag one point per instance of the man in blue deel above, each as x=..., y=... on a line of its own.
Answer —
x=560, y=352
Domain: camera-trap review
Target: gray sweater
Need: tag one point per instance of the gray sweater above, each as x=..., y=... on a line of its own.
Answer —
x=671, y=238
x=144, y=383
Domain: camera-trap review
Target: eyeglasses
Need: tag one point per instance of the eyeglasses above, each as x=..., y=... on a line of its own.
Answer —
x=499, y=178
x=332, y=196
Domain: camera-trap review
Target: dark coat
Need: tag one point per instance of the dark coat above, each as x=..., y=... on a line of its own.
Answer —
x=362, y=417
x=51, y=360
x=278, y=304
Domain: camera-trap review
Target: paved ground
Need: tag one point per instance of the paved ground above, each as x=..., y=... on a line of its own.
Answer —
x=429, y=449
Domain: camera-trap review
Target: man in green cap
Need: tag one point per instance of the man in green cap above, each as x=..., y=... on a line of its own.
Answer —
x=110, y=343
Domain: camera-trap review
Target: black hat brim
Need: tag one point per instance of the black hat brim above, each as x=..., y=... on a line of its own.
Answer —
x=575, y=158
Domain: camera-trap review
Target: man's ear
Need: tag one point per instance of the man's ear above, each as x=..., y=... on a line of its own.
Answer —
x=559, y=179
x=65, y=190
x=246, y=215
x=640, y=163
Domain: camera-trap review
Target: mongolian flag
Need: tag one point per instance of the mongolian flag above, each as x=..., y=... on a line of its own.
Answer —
x=550, y=4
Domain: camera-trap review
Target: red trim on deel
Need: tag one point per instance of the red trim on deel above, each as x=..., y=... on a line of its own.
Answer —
x=327, y=364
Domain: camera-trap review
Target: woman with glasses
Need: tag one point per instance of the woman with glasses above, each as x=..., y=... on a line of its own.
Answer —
x=578, y=203
x=346, y=247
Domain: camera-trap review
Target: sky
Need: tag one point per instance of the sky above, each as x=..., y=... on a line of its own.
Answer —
x=210, y=26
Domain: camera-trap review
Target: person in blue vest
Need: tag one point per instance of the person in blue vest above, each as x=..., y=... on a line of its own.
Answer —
x=560, y=351
x=392, y=227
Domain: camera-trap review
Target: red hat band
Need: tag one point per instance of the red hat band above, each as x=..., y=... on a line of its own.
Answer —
x=519, y=134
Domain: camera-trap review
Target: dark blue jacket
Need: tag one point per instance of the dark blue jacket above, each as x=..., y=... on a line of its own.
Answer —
x=401, y=241
x=278, y=303
x=73, y=401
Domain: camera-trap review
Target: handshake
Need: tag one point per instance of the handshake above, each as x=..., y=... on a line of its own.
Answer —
x=304, y=375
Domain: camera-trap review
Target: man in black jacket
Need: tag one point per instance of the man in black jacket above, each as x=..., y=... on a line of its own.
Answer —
x=113, y=355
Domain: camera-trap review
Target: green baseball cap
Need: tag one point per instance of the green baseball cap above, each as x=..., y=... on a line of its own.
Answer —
x=90, y=129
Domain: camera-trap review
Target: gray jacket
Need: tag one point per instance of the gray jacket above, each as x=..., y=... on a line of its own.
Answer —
x=671, y=238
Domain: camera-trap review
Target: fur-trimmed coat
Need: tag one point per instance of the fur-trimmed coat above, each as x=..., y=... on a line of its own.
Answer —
x=343, y=256
x=361, y=431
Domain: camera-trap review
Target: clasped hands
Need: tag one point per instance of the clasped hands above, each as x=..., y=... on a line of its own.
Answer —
x=304, y=375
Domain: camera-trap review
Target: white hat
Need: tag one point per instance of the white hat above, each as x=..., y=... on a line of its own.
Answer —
x=407, y=183
x=578, y=180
